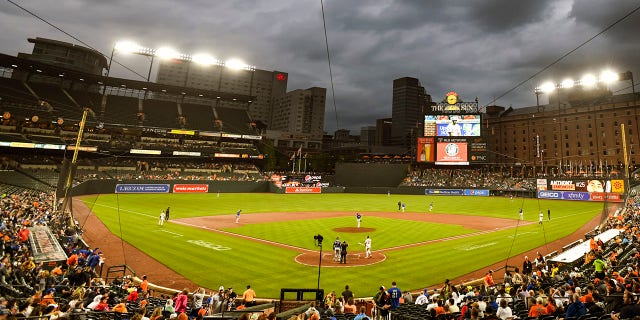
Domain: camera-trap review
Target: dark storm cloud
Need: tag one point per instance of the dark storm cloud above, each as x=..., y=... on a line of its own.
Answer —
x=478, y=48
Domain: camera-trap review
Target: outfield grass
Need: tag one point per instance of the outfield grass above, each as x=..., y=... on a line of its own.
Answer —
x=268, y=268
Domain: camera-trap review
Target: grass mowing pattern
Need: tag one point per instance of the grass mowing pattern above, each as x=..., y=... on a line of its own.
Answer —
x=298, y=231
x=268, y=268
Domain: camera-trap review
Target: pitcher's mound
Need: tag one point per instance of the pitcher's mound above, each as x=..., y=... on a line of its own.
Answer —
x=354, y=230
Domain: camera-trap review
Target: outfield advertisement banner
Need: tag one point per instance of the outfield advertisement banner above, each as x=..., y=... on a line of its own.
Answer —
x=303, y=190
x=579, y=196
x=190, y=188
x=444, y=192
x=142, y=188
x=586, y=185
x=476, y=192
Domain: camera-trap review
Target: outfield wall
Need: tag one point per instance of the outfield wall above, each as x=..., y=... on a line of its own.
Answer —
x=199, y=186
x=175, y=186
x=370, y=174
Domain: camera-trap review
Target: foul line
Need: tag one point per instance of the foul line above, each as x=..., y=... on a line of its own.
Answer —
x=288, y=246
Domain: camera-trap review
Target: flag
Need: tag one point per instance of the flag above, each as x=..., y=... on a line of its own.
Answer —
x=293, y=156
x=300, y=151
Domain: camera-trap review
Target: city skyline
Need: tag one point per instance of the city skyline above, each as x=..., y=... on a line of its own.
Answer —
x=476, y=49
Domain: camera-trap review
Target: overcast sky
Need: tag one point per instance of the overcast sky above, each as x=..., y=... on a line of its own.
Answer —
x=477, y=48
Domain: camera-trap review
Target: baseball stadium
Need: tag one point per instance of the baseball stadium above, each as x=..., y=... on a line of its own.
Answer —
x=142, y=195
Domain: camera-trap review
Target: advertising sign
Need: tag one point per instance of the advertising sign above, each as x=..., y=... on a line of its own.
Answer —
x=142, y=188
x=453, y=104
x=451, y=153
x=477, y=151
x=611, y=197
x=425, y=150
x=190, y=188
x=444, y=192
x=476, y=192
x=586, y=185
x=580, y=196
x=544, y=194
x=303, y=190
x=541, y=184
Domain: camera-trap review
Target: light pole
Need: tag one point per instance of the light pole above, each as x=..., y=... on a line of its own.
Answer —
x=587, y=81
x=318, y=238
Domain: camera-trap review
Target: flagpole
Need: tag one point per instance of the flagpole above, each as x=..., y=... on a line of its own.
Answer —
x=305, y=162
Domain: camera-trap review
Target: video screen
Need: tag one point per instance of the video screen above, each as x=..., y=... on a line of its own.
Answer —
x=449, y=125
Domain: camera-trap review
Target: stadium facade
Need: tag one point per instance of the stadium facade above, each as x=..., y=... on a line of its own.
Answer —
x=578, y=135
x=292, y=119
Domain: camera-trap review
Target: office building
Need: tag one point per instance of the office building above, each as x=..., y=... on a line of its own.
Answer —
x=407, y=111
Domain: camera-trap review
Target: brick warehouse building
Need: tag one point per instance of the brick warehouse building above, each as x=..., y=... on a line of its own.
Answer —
x=576, y=134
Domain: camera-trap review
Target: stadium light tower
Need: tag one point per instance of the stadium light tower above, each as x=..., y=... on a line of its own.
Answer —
x=587, y=81
x=203, y=59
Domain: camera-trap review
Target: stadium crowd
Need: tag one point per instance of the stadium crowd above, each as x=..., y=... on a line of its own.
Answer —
x=468, y=178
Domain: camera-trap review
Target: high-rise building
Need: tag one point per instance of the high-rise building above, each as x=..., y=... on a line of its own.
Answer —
x=368, y=135
x=407, y=110
x=383, y=131
x=266, y=86
x=301, y=112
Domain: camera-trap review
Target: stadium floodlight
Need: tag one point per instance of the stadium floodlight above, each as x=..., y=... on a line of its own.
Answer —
x=236, y=64
x=127, y=46
x=205, y=59
x=567, y=83
x=608, y=76
x=588, y=80
x=547, y=87
x=167, y=53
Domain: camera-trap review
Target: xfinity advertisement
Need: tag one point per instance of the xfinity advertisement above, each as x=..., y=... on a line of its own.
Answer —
x=579, y=196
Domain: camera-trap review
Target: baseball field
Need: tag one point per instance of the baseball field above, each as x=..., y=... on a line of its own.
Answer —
x=273, y=247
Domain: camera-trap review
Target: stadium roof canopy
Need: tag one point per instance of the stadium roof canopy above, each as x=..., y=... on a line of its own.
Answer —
x=34, y=67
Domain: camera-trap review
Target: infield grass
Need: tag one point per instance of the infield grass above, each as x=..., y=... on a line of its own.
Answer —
x=212, y=259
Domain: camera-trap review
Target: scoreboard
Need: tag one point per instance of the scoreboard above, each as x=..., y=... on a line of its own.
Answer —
x=452, y=134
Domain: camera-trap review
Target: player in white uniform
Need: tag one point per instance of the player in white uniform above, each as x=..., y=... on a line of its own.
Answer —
x=161, y=220
x=367, y=247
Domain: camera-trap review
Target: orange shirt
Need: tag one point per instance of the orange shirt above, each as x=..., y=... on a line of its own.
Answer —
x=47, y=300
x=537, y=310
x=249, y=295
x=583, y=299
x=144, y=285
x=57, y=271
x=551, y=309
x=72, y=260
